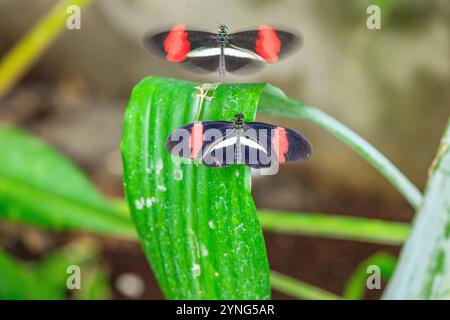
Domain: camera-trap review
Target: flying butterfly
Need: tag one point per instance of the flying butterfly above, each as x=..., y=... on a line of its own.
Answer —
x=224, y=143
x=244, y=51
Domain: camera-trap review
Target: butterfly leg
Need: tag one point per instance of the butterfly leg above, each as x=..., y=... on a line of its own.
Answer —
x=204, y=94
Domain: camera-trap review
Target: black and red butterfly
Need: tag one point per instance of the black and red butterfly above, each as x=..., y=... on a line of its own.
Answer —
x=222, y=51
x=224, y=143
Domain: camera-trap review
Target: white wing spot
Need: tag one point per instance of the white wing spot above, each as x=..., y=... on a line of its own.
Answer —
x=204, y=52
x=224, y=143
x=252, y=144
x=234, y=52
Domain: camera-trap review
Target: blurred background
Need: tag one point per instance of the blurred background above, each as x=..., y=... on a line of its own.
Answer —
x=389, y=85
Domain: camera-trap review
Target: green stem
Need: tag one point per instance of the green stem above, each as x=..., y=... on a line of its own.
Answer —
x=340, y=227
x=324, y=225
x=32, y=45
x=299, y=289
x=272, y=102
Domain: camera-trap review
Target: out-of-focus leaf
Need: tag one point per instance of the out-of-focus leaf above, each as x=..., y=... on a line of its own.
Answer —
x=332, y=226
x=386, y=8
x=47, y=279
x=53, y=268
x=19, y=283
x=14, y=65
x=41, y=187
x=299, y=289
x=197, y=225
x=423, y=271
x=357, y=284
x=95, y=285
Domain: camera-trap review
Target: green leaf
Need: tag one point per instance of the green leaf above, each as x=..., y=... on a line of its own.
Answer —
x=386, y=8
x=197, y=225
x=19, y=283
x=95, y=285
x=423, y=271
x=332, y=226
x=299, y=289
x=47, y=279
x=357, y=284
x=41, y=187
x=53, y=268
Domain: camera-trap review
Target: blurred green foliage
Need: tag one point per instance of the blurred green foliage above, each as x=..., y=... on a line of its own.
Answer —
x=46, y=279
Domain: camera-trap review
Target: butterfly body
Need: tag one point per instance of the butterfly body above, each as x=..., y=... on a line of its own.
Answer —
x=224, y=143
x=223, y=52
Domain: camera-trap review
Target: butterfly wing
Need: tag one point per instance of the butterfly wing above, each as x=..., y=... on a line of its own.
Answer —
x=220, y=146
x=200, y=51
x=194, y=139
x=268, y=43
x=256, y=146
x=280, y=144
x=182, y=46
x=242, y=61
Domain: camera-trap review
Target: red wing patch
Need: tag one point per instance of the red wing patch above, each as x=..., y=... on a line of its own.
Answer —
x=280, y=143
x=176, y=44
x=196, y=139
x=268, y=44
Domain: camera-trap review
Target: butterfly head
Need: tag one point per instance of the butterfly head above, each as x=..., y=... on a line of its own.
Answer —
x=222, y=29
x=238, y=120
x=222, y=33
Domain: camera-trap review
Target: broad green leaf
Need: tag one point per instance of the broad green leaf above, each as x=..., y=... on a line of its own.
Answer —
x=172, y=202
x=357, y=284
x=423, y=271
x=41, y=187
x=19, y=283
x=197, y=225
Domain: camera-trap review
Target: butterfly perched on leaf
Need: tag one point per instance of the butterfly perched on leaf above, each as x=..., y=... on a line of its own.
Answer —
x=223, y=52
x=224, y=143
